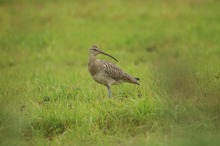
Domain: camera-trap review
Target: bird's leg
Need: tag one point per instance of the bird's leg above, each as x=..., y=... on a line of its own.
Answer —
x=109, y=91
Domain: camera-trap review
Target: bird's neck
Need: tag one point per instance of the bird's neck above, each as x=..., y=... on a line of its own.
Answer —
x=92, y=59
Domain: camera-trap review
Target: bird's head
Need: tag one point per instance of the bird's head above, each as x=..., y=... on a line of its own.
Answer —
x=94, y=50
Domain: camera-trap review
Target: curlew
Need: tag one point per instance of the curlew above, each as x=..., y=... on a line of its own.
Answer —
x=107, y=73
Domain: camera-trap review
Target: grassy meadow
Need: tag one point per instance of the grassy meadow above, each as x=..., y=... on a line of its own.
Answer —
x=47, y=96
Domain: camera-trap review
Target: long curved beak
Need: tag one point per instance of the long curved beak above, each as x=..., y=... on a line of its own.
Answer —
x=108, y=55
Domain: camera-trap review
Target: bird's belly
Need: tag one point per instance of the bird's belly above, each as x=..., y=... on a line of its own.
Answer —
x=105, y=79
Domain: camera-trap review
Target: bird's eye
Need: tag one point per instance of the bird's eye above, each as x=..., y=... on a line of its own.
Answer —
x=95, y=49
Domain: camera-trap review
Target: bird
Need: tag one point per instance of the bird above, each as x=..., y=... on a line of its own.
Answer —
x=107, y=73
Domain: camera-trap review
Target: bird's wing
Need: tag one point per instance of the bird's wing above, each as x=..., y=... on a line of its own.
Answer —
x=114, y=72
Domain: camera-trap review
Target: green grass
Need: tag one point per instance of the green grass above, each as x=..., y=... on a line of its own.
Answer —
x=47, y=96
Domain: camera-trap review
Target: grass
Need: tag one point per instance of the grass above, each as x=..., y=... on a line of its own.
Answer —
x=48, y=97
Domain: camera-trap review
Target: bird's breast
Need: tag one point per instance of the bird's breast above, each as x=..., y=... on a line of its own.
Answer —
x=93, y=68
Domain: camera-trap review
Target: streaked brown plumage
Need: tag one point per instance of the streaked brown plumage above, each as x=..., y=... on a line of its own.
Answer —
x=107, y=73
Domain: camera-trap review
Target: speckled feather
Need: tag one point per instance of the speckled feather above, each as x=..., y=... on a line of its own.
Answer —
x=116, y=73
x=107, y=73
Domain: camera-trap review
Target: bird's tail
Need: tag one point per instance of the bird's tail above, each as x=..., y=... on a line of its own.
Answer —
x=131, y=79
x=137, y=78
x=135, y=81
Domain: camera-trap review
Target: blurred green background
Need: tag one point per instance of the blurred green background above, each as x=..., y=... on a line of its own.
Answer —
x=47, y=96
